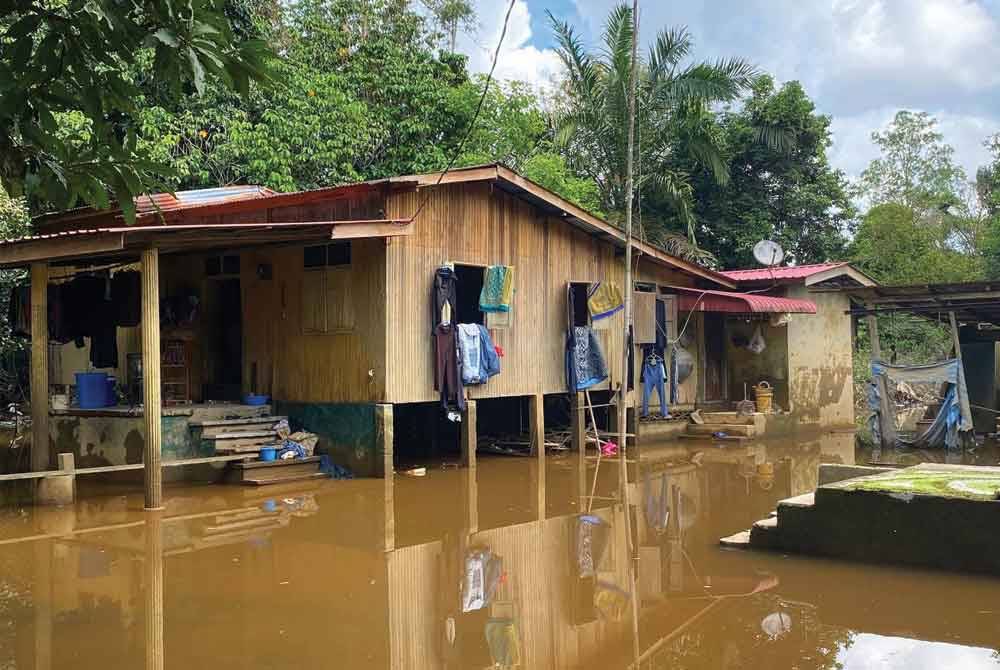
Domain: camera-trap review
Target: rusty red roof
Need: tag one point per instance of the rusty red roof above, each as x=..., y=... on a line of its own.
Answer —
x=791, y=272
x=698, y=300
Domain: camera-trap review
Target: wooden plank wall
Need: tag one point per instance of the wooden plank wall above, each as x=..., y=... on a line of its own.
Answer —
x=298, y=366
x=473, y=224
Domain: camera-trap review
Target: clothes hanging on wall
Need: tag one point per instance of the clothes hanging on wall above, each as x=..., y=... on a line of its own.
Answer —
x=444, y=297
x=498, y=289
x=490, y=358
x=585, y=366
x=19, y=311
x=126, y=292
x=644, y=317
x=470, y=352
x=604, y=299
x=447, y=369
x=654, y=376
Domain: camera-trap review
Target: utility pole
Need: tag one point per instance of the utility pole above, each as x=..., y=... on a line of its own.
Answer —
x=627, y=340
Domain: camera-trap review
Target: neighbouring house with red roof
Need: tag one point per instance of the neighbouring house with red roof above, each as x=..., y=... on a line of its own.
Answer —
x=808, y=361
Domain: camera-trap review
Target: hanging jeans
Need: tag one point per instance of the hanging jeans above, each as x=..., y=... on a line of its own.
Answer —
x=654, y=376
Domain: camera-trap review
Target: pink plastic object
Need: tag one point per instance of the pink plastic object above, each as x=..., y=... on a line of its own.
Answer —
x=609, y=449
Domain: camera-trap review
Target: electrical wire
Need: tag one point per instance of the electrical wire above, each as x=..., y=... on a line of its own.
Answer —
x=475, y=116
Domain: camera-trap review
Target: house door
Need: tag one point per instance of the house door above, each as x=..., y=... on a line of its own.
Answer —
x=715, y=358
x=223, y=339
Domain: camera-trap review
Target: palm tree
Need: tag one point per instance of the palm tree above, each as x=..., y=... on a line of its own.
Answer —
x=674, y=101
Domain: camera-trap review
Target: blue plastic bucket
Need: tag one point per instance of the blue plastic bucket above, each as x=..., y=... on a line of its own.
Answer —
x=255, y=399
x=92, y=389
x=268, y=454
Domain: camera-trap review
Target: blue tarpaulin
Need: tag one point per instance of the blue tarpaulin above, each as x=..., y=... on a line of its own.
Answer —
x=953, y=418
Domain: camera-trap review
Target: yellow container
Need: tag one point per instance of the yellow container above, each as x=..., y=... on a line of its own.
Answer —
x=764, y=394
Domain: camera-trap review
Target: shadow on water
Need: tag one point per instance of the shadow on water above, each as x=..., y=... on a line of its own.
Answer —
x=379, y=574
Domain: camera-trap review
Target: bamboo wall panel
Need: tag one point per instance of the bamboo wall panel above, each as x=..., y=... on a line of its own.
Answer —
x=472, y=224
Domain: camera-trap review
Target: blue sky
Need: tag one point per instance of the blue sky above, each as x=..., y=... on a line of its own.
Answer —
x=860, y=60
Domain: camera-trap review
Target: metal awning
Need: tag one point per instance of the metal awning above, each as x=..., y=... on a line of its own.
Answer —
x=698, y=300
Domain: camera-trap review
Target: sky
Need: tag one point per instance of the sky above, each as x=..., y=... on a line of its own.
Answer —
x=859, y=60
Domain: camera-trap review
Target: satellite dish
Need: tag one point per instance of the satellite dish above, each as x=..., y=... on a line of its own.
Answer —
x=768, y=253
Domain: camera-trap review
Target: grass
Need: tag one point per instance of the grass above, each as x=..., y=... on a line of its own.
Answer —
x=966, y=484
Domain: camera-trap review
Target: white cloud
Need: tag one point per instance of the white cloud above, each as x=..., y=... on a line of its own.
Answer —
x=518, y=59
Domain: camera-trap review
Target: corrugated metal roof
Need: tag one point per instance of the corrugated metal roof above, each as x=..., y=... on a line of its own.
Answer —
x=782, y=273
x=698, y=300
x=166, y=202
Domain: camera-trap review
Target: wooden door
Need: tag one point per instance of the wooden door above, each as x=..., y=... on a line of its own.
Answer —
x=715, y=358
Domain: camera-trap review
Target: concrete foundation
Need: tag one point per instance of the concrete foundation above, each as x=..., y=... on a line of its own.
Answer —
x=875, y=519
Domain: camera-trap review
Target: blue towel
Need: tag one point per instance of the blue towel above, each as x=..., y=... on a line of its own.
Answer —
x=489, y=360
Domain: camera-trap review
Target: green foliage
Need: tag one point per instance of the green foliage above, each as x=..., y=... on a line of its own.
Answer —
x=76, y=58
x=916, y=168
x=14, y=222
x=674, y=100
x=361, y=94
x=782, y=189
x=894, y=247
x=452, y=16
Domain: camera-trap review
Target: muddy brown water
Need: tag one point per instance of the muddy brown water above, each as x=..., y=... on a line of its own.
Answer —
x=368, y=574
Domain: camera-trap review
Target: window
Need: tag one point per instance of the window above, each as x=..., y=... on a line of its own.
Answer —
x=337, y=254
x=581, y=315
x=468, y=290
x=327, y=289
x=217, y=266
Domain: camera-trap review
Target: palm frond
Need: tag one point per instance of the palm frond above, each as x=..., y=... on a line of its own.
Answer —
x=722, y=81
x=776, y=137
x=671, y=47
x=682, y=247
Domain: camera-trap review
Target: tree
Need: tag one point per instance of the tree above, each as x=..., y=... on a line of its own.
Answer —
x=916, y=168
x=790, y=194
x=893, y=248
x=77, y=58
x=674, y=101
x=452, y=16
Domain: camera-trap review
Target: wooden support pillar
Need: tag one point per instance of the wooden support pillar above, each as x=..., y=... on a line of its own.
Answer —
x=39, y=367
x=470, y=441
x=152, y=475
x=41, y=600
x=873, y=336
x=384, y=450
x=536, y=428
x=578, y=418
x=470, y=485
x=384, y=440
x=153, y=593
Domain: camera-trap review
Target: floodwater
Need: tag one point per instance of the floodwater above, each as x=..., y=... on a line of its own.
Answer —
x=371, y=574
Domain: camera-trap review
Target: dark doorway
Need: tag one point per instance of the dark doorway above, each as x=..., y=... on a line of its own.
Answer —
x=467, y=291
x=223, y=337
x=715, y=358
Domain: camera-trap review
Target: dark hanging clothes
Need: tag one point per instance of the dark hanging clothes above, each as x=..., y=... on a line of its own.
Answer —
x=445, y=292
x=448, y=367
x=19, y=311
x=104, y=346
x=661, y=328
x=126, y=293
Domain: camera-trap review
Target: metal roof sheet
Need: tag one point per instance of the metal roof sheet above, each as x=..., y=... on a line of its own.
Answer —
x=698, y=300
x=782, y=273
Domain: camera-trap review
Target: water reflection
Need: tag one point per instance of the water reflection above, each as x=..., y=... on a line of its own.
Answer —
x=473, y=569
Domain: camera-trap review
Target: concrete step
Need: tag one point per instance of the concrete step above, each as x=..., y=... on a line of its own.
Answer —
x=740, y=540
x=235, y=440
x=764, y=533
x=797, y=515
x=214, y=427
x=735, y=429
x=727, y=417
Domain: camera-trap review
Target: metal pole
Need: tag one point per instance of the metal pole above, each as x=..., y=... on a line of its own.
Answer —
x=626, y=341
